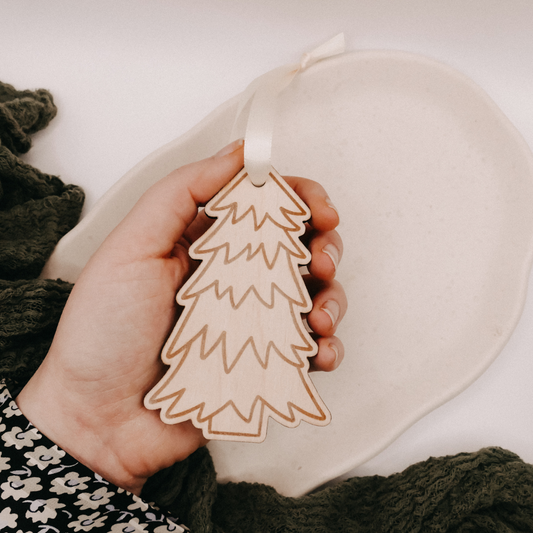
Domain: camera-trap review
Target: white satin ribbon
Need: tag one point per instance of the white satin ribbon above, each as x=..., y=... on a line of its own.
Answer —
x=263, y=93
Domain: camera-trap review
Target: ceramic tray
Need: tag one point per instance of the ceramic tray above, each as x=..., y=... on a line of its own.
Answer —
x=434, y=187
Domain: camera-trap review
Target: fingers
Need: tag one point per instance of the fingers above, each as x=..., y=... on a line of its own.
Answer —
x=329, y=357
x=323, y=241
x=329, y=307
x=329, y=299
x=164, y=212
x=324, y=216
x=326, y=252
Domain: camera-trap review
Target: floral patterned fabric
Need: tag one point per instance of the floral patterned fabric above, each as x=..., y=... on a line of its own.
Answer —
x=44, y=489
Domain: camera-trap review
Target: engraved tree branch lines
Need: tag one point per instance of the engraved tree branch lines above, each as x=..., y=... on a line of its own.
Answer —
x=239, y=351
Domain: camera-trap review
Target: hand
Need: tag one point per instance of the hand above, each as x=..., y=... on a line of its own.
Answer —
x=87, y=396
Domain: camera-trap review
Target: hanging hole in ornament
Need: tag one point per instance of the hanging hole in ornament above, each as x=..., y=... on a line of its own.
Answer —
x=256, y=182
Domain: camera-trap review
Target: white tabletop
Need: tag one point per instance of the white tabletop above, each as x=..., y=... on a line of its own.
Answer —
x=128, y=77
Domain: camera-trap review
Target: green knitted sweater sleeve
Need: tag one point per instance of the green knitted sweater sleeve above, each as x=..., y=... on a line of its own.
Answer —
x=36, y=210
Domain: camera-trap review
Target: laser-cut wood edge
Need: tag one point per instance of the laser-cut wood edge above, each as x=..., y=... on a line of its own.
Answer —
x=200, y=338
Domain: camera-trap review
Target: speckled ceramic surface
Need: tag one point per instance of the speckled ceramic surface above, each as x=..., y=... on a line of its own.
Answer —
x=434, y=187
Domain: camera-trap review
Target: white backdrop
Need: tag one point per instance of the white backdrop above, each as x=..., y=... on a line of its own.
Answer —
x=130, y=76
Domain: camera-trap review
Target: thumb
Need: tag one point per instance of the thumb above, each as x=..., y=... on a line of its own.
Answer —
x=161, y=216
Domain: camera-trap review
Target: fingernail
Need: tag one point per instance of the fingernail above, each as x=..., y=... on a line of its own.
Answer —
x=336, y=351
x=330, y=204
x=331, y=307
x=331, y=250
x=230, y=148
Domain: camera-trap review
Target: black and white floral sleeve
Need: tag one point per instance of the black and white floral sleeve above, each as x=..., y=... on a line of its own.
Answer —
x=44, y=489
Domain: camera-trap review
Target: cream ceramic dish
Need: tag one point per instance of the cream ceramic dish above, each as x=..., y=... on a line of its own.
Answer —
x=435, y=191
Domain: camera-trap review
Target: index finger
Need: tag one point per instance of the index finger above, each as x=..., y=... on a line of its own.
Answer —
x=324, y=216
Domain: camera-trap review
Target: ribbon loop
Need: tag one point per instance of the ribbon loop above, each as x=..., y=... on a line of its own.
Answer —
x=330, y=48
x=263, y=93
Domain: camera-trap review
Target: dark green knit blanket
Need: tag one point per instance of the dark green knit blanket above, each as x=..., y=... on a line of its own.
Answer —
x=487, y=491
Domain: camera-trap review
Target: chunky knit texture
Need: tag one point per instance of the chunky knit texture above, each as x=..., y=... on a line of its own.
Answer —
x=36, y=210
x=487, y=491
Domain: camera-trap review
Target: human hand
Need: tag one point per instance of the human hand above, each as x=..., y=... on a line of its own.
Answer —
x=87, y=396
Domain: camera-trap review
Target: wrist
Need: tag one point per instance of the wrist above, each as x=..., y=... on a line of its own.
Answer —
x=63, y=419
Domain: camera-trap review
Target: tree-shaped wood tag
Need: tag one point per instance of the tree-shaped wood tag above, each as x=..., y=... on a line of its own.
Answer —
x=239, y=351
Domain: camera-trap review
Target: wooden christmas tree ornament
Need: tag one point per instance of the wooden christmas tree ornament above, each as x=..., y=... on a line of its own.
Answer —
x=239, y=351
